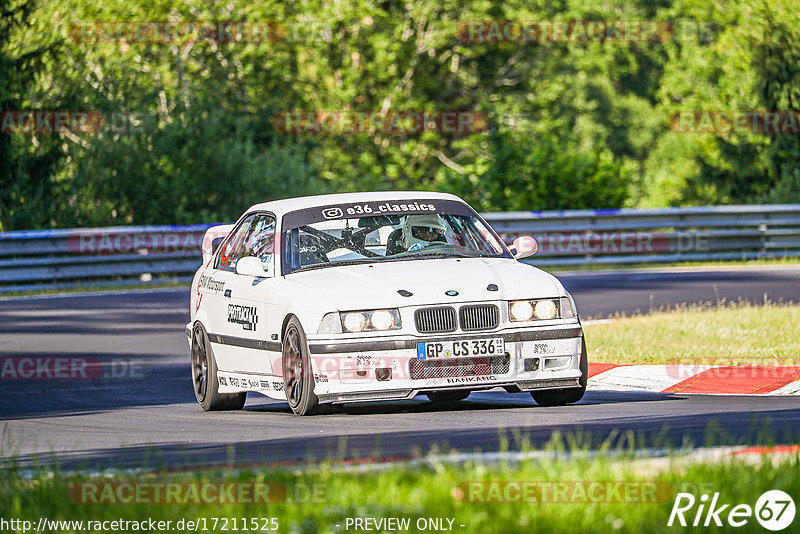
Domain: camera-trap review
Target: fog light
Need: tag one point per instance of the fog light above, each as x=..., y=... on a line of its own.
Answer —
x=556, y=363
x=383, y=374
x=531, y=364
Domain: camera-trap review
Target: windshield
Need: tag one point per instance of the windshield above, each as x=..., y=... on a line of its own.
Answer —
x=385, y=231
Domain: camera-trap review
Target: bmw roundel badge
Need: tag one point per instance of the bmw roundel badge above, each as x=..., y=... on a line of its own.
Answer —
x=451, y=293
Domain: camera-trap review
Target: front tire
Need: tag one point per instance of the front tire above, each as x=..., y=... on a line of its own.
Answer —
x=204, y=376
x=560, y=397
x=298, y=377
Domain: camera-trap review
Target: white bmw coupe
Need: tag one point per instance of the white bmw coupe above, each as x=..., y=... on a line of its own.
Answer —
x=376, y=296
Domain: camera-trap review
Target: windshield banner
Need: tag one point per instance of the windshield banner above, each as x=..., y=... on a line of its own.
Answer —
x=357, y=210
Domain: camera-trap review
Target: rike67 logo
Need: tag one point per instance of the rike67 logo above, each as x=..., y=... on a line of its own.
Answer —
x=774, y=510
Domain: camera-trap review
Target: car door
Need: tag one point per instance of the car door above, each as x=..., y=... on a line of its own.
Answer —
x=244, y=326
x=214, y=289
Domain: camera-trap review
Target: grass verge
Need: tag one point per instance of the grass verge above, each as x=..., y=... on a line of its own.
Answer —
x=737, y=334
x=562, y=493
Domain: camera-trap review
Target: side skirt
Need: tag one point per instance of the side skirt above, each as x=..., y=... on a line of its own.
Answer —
x=268, y=385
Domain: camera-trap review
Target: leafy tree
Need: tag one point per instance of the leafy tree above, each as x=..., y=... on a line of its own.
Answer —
x=546, y=174
x=741, y=56
x=190, y=130
x=28, y=163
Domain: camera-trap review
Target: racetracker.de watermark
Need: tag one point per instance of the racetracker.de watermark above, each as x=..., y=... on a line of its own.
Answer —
x=736, y=122
x=565, y=491
x=175, y=32
x=195, y=492
x=69, y=368
x=782, y=370
x=615, y=242
x=93, y=122
x=378, y=122
x=125, y=242
x=461, y=370
x=50, y=122
x=564, y=31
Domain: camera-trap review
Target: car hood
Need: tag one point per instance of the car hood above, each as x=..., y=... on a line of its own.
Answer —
x=376, y=285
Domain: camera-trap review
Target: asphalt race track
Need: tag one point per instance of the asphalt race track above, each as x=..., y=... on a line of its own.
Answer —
x=144, y=413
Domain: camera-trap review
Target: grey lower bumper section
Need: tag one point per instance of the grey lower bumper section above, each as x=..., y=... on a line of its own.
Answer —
x=552, y=383
x=401, y=394
x=364, y=396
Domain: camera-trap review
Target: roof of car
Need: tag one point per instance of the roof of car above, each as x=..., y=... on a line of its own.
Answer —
x=279, y=207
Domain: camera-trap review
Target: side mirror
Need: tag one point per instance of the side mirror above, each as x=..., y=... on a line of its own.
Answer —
x=252, y=266
x=524, y=246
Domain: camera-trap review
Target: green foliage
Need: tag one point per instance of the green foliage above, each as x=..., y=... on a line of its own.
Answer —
x=199, y=165
x=573, y=125
x=740, y=56
x=567, y=487
x=27, y=170
x=549, y=173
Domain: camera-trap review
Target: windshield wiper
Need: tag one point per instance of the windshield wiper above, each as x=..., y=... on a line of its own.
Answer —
x=386, y=259
x=451, y=255
x=335, y=263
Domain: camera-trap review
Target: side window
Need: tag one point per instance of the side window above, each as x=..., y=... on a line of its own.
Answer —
x=259, y=241
x=229, y=251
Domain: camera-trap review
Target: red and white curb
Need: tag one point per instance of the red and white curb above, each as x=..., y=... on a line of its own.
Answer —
x=709, y=379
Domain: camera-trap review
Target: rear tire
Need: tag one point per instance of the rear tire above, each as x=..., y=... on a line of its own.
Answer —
x=447, y=397
x=298, y=377
x=204, y=376
x=560, y=397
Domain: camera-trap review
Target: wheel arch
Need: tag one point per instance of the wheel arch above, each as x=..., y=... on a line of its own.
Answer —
x=201, y=317
x=286, y=319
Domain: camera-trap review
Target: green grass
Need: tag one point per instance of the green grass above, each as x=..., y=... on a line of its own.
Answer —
x=729, y=334
x=437, y=489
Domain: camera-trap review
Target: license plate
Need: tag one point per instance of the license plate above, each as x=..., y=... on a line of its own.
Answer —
x=455, y=349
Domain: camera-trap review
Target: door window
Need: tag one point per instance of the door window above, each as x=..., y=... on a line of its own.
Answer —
x=259, y=241
x=255, y=236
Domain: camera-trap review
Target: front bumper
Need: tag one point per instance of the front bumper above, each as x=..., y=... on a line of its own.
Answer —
x=386, y=368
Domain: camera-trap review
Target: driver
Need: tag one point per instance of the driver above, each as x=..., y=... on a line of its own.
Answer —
x=419, y=231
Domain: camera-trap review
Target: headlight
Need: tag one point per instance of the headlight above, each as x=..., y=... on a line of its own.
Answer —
x=527, y=310
x=354, y=321
x=521, y=310
x=545, y=309
x=371, y=320
x=382, y=320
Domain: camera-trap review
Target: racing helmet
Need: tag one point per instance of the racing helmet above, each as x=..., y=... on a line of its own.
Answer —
x=419, y=231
